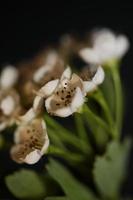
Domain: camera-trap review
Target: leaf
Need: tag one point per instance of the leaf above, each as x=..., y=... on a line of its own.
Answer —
x=25, y=184
x=56, y=198
x=72, y=188
x=109, y=170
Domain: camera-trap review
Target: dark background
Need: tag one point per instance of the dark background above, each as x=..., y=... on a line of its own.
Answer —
x=25, y=29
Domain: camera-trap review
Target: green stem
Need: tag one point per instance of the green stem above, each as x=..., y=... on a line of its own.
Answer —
x=54, y=138
x=99, y=98
x=69, y=156
x=80, y=126
x=119, y=97
x=67, y=136
x=91, y=115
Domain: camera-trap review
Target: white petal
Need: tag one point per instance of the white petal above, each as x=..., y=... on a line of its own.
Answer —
x=9, y=77
x=49, y=88
x=38, y=103
x=66, y=74
x=63, y=112
x=30, y=115
x=44, y=125
x=33, y=157
x=89, y=55
x=41, y=72
x=3, y=125
x=122, y=46
x=99, y=76
x=47, y=103
x=7, y=105
x=45, y=146
x=89, y=86
x=78, y=100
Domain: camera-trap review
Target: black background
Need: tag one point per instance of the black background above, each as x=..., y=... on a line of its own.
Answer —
x=25, y=29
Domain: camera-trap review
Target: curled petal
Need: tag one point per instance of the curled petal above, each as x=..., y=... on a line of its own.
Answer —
x=49, y=88
x=99, y=76
x=78, y=100
x=89, y=86
x=29, y=115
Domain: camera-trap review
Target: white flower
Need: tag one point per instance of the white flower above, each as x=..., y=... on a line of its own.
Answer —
x=31, y=142
x=8, y=77
x=67, y=95
x=52, y=67
x=10, y=108
x=106, y=46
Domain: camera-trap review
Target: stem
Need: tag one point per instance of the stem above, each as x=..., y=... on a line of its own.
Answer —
x=118, y=96
x=69, y=156
x=80, y=127
x=98, y=96
x=95, y=118
x=66, y=136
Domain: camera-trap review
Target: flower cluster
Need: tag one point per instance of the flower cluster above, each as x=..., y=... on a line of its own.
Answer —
x=49, y=84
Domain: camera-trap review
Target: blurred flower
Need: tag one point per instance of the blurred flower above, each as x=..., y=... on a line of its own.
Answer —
x=31, y=141
x=67, y=95
x=106, y=46
x=10, y=108
x=44, y=68
x=8, y=77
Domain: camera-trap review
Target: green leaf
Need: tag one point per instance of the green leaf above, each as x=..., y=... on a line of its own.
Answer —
x=109, y=170
x=56, y=198
x=25, y=184
x=72, y=188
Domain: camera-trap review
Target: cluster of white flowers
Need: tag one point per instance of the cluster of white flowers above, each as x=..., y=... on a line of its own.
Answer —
x=61, y=95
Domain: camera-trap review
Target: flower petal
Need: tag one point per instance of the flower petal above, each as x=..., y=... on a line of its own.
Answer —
x=41, y=72
x=49, y=88
x=78, y=100
x=89, y=55
x=29, y=115
x=122, y=45
x=38, y=104
x=9, y=77
x=62, y=112
x=99, y=76
x=66, y=74
x=33, y=157
x=89, y=86
x=8, y=105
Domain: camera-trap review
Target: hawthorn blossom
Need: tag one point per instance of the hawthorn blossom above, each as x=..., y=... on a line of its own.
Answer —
x=66, y=95
x=10, y=107
x=44, y=68
x=31, y=141
x=106, y=46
